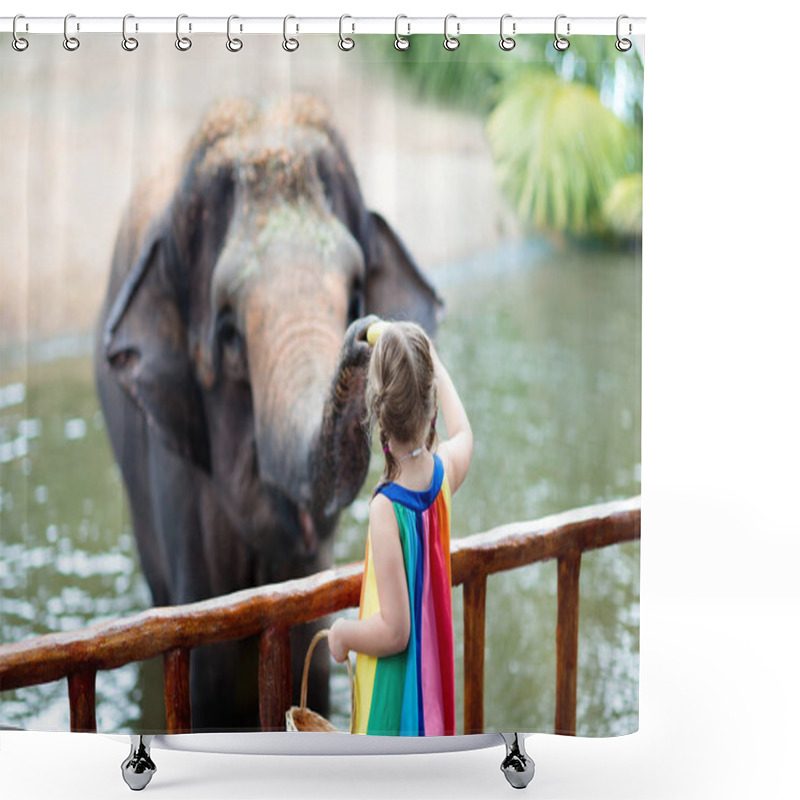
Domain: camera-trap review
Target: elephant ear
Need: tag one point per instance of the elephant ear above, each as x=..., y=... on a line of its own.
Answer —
x=395, y=287
x=145, y=346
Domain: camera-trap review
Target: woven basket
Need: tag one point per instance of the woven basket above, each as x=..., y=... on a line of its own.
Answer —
x=301, y=718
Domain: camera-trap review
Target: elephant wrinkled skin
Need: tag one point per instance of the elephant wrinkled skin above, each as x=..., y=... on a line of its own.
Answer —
x=230, y=367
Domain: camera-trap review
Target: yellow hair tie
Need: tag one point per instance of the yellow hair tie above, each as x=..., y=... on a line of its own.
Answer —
x=375, y=330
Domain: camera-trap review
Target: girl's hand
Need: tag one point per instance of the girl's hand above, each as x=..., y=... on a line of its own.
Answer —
x=338, y=648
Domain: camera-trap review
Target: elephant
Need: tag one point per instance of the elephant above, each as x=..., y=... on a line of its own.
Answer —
x=230, y=366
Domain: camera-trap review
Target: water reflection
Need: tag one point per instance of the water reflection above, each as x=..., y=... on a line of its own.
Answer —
x=68, y=555
x=544, y=349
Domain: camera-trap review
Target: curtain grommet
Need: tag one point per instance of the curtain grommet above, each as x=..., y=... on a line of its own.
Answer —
x=623, y=45
x=70, y=43
x=346, y=43
x=401, y=42
x=451, y=42
x=19, y=43
x=560, y=43
x=507, y=43
x=183, y=43
x=290, y=44
x=234, y=44
x=129, y=43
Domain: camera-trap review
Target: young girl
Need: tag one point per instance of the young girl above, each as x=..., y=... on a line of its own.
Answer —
x=404, y=681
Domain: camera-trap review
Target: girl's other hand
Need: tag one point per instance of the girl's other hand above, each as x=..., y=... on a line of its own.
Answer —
x=336, y=642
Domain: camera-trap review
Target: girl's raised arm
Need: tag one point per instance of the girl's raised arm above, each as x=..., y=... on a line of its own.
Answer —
x=456, y=451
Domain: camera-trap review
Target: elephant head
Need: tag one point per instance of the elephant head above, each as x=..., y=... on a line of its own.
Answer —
x=237, y=315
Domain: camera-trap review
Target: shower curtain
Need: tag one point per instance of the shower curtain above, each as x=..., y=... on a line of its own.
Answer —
x=191, y=239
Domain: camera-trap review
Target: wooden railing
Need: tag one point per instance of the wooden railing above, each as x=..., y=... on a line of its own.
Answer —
x=271, y=611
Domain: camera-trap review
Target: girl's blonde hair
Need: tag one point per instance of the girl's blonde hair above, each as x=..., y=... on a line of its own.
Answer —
x=401, y=390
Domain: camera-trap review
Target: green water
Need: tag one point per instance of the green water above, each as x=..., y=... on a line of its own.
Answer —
x=544, y=349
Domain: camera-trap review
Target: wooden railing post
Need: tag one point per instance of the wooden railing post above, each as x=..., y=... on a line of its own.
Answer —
x=177, y=692
x=474, y=646
x=81, y=687
x=569, y=571
x=274, y=677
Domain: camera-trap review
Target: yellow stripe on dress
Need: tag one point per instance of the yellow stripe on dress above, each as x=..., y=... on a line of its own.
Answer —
x=365, y=665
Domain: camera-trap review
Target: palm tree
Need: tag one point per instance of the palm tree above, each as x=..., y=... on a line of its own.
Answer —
x=558, y=152
x=565, y=128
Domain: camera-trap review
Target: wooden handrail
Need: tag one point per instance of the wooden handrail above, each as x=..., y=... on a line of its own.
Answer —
x=521, y=543
x=274, y=609
x=114, y=643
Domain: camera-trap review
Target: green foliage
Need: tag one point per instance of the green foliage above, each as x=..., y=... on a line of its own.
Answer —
x=466, y=78
x=622, y=209
x=565, y=127
x=558, y=151
x=594, y=61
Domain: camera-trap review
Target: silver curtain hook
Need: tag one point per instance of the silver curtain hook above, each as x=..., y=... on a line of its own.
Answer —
x=17, y=42
x=561, y=43
x=289, y=44
x=345, y=42
x=506, y=42
x=451, y=42
x=70, y=43
x=233, y=44
x=400, y=42
x=623, y=45
x=129, y=43
x=183, y=43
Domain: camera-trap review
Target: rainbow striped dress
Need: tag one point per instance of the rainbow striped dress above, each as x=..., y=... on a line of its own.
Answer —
x=412, y=693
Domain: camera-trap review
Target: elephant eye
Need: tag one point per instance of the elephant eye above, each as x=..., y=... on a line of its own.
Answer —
x=231, y=348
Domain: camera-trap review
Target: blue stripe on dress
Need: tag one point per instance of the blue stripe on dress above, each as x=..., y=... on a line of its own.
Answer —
x=416, y=501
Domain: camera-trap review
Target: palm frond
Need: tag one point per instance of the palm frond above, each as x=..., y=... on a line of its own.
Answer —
x=622, y=209
x=558, y=151
x=556, y=121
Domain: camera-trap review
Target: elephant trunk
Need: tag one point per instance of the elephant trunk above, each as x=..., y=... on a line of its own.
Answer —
x=309, y=436
x=342, y=459
x=289, y=411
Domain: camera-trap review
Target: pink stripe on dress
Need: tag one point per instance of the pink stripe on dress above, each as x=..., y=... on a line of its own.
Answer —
x=432, y=701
